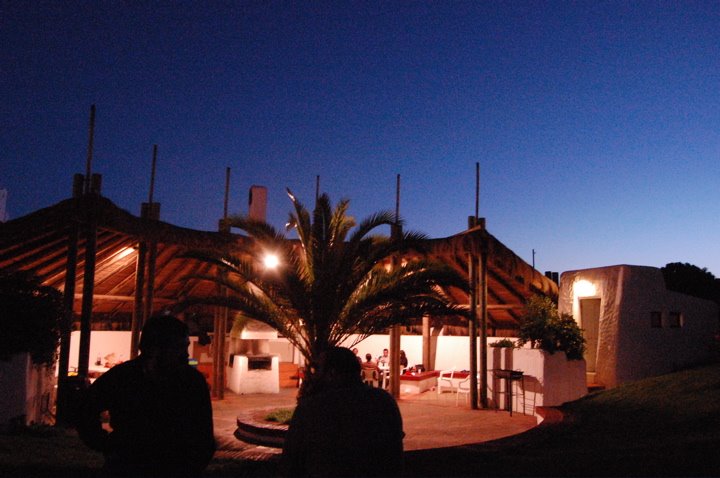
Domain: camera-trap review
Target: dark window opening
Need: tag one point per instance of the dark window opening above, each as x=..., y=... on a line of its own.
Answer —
x=655, y=319
x=675, y=319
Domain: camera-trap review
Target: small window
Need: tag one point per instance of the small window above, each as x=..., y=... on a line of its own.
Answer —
x=675, y=320
x=655, y=319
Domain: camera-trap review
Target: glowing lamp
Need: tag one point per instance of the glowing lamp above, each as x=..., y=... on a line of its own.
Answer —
x=271, y=261
x=584, y=288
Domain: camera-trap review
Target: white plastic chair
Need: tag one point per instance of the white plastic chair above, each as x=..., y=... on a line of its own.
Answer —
x=445, y=380
x=370, y=376
x=464, y=388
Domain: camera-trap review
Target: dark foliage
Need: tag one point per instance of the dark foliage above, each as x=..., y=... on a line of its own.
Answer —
x=691, y=280
x=30, y=318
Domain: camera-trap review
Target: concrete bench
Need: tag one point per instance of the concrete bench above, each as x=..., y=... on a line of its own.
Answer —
x=418, y=382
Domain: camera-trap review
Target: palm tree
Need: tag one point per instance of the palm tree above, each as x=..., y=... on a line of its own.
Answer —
x=335, y=280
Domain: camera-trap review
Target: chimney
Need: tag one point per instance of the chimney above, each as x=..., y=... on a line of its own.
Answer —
x=258, y=203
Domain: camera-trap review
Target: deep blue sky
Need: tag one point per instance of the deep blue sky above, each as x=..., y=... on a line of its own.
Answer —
x=596, y=124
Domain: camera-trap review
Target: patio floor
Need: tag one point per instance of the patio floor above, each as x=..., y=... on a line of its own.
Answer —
x=429, y=421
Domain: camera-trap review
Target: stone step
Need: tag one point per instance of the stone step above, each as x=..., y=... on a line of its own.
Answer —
x=595, y=387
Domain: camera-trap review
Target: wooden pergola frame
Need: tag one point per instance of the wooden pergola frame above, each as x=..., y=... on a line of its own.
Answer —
x=112, y=263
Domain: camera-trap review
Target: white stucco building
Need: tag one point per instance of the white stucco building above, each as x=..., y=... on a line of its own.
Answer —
x=634, y=326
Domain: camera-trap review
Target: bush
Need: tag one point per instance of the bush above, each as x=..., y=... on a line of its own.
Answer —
x=30, y=318
x=543, y=327
x=503, y=343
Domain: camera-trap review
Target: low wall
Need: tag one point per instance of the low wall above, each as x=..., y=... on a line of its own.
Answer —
x=549, y=380
x=27, y=391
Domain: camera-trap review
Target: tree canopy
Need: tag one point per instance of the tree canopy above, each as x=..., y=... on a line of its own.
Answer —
x=691, y=280
x=338, y=278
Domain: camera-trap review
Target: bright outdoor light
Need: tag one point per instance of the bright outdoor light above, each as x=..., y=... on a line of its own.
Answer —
x=271, y=261
x=583, y=288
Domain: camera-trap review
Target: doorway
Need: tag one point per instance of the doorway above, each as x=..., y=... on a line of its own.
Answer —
x=590, y=323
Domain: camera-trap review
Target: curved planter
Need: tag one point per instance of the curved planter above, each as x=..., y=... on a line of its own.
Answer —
x=258, y=432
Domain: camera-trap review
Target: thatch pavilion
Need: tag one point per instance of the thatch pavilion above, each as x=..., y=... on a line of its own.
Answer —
x=117, y=268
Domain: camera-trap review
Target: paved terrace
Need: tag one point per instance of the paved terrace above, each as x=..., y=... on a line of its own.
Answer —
x=429, y=421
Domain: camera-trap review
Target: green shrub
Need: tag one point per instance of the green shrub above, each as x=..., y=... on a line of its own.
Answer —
x=503, y=343
x=281, y=415
x=543, y=327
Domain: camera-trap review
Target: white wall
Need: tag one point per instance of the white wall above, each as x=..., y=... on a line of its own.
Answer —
x=628, y=347
x=26, y=390
x=549, y=379
x=102, y=343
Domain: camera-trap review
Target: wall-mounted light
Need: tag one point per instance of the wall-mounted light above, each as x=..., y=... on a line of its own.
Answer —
x=584, y=288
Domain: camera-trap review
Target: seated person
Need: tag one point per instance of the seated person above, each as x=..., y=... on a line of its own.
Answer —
x=346, y=428
x=368, y=363
x=384, y=360
x=403, y=360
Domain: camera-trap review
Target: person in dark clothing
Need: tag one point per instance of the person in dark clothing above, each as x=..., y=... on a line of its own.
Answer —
x=403, y=360
x=159, y=407
x=345, y=428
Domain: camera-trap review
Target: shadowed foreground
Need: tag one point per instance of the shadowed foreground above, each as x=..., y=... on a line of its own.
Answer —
x=664, y=426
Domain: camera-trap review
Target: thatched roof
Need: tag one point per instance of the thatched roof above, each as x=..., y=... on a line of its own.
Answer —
x=38, y=243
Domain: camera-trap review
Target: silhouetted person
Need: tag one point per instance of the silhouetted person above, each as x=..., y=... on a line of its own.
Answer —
x=345, y=428
x=159, y=408
x=355, y=351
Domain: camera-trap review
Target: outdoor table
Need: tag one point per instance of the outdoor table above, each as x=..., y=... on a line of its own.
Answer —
x=509, y=376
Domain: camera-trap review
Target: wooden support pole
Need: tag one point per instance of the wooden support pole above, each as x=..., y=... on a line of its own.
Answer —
x=87, y=297
x=62, y=412
x=217, y=387
x=68, y=300
x=426, y=344
x=222, y=356
x=395, y=330
x=472, y=323
x=138, y=309
x=90, y=251
x=220, y=315
x=153, y=213
x=150, y=285
x=483, y=322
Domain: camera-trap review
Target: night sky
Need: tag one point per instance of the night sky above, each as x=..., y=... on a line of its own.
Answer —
x=596, y=124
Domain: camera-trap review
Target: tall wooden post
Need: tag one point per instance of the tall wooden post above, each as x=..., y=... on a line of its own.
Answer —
x=91, y=189
x=90, y=233
x=395, y=330
x=153, y=214
x=62, y=412
x=138, y=309
x=426, y=344
x=145, y=266
x=472, y=323
x=483, y=318
x=220, y=315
